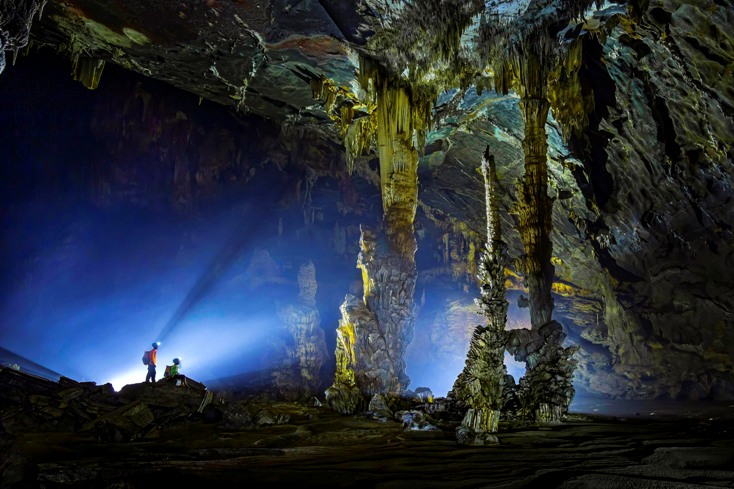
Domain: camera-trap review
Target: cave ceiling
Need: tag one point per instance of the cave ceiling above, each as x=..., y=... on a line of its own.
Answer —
x=640, y=141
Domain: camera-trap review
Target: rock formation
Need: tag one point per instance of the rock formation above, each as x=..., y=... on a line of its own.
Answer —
x=387, y=256
x=480, y=385
x=524, y=60
x=297, y=375
x=15, y=26
x=374, y=332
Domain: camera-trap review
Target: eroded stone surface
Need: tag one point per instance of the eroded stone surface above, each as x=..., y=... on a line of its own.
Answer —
x=305, y=444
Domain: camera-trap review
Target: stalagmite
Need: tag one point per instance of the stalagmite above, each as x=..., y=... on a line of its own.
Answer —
x=480, y=384
x=304, y=347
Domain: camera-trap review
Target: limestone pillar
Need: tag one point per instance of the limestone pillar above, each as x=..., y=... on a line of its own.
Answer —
x=546, y=390
x=534, y=207
x=480, y=385
x=382, y=325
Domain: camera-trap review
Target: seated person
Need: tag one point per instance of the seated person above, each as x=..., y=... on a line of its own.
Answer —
x=172, y=372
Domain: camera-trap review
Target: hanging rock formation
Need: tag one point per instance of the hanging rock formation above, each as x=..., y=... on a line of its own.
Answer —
x=15, y=26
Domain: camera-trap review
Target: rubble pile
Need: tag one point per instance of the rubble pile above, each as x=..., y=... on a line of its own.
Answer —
x=31, y=404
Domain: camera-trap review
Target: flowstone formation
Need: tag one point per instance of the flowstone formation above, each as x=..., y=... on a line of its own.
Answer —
x=303, y=351
x=480, y=385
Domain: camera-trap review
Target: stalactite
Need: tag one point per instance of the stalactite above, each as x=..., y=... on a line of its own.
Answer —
x=15, y=26
x=87, y=70
x=355, y=120
x=358, y=138
x=401, y=120
x=569, y=103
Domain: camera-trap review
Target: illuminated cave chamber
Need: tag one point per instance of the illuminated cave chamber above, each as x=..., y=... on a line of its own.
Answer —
x=611, y=130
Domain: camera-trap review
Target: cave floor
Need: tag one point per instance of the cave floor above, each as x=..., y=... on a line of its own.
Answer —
x=648, y=449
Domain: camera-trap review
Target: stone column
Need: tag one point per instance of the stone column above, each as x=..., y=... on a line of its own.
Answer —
x=534, y=207
x=546, y=390
x=480, y=385
x=383, y=324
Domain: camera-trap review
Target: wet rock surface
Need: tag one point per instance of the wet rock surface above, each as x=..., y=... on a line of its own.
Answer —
x=309, y=445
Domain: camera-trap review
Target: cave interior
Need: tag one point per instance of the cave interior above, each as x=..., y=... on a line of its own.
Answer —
x=425, y=243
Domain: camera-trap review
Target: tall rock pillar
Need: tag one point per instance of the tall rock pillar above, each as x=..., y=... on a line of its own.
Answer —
x=546, y=390
x=480, y=385
x=304, y=349
x=382, y=323
x=534, y=205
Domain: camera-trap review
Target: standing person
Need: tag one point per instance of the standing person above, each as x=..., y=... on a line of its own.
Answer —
x=151, y=363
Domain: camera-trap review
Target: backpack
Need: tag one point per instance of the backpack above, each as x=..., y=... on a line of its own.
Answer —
x=167, y=373
x=146, y=357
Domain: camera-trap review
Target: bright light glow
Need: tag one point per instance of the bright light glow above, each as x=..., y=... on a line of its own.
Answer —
x=437, y=354
x=130, y=376
x=514, y=368
x=98, y=261
x=213, y=348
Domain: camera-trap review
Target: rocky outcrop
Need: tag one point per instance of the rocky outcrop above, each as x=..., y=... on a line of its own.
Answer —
x=243, y=442
x=34, y=404
x=662, y=229
x=302, y=354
